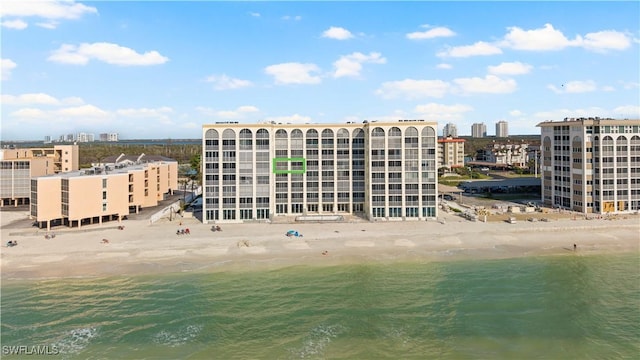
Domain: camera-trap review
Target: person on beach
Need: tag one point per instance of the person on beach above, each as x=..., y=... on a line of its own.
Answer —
x=575, y=247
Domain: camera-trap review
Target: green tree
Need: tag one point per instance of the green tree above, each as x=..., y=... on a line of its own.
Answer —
x=195, y=163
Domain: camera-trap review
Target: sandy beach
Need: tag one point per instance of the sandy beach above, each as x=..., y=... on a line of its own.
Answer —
x=144, y=248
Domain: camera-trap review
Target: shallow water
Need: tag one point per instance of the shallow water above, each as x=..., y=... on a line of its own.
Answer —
x=557, y=307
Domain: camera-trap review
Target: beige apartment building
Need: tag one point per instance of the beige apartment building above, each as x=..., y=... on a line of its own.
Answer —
x=591, y=165
x=376, y=170
x=450, y=152
x=19, y=166
x=95, y=195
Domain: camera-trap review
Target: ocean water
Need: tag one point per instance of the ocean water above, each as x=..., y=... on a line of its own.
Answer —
x=554, y=307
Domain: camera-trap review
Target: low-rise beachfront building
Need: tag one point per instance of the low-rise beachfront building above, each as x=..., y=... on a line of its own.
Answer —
x=591, y=165
x=19, y=165
x=375, y=170
x=100, y=194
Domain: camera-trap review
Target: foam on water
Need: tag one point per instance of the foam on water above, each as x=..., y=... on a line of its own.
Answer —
x=318, y=338
x=76, y=340
x=179, y=337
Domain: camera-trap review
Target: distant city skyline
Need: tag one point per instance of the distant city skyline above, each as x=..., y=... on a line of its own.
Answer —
x=154, y=70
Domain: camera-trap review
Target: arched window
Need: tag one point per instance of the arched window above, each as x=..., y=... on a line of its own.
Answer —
x=395, y=131
x=327, y=138
x=228, y=134
x=211, y=134
x=246, y=139
x=312, y=134
x=262, y=139
x=245, y=134
x=411, y=132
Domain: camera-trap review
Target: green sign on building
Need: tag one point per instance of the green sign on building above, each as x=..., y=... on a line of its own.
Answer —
x=289, y=165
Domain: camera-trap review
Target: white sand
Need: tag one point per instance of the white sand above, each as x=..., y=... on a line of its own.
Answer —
x=144, y=248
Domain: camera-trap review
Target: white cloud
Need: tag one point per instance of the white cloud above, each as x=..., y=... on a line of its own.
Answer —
x=161, y=112
x=337, y=33
x=627, y=112
x=291, y=119
x=351, y=65
x=431, y=33
x=574, y=87
x=46, y=9
x=239, y=113
x=444, y=66
x=29, y=99
x=223, y=82
x=510, y=68
x=29, y=113
x=38, y=99
x=606, y=40
x=48, y=25
x=629, y=85
x=516, y=113
x=294, y=73
x=546, y=38
x=489, y=84
x=559, y=114
x=479, y=48
x=84, y=111
x=6, y=66
x=106, y=52
x=14, y=24
x=413, y=89
x=247, y=109
x=435, y=111
x=294, y=18
x=254, y=14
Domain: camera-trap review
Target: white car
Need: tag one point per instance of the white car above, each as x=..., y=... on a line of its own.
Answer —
x=484, y=169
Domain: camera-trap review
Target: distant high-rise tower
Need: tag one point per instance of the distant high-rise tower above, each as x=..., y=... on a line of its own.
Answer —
x=450, y=130
x=502, y=129
x=478, y=130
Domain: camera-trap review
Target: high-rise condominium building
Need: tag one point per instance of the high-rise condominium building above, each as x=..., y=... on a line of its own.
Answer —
x=478, y=130
x=591, y=165
x=376, y=170
x=450, y=130
x=109, y=137
x=502, y=129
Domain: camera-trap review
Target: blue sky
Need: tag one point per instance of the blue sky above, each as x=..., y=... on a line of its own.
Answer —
x=163, y=69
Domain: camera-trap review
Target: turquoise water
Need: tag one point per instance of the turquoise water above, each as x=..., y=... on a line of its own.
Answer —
x=563, y=307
